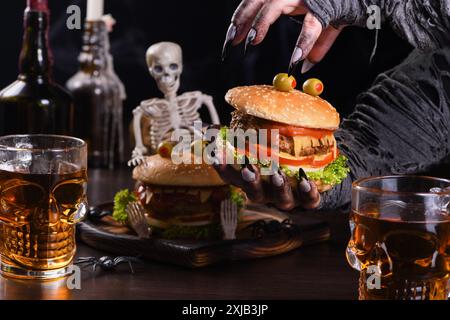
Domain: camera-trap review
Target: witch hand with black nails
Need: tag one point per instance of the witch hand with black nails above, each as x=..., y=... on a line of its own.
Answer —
x=401, y=125
x=423, y=24
x=276, y=189
x=252, y=19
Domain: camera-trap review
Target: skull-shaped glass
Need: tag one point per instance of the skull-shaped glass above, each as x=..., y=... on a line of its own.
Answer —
x=400, y=237
x=43, y=181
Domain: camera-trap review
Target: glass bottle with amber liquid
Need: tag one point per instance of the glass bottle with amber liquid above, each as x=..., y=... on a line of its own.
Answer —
x=98, y=95
x=34, y=103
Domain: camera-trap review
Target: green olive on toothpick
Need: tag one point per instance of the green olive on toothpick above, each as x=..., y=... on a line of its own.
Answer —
x=284, y=82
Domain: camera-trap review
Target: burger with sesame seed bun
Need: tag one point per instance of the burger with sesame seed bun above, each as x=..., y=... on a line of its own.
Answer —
x=181, y=194
x=181, y=201
x=305, y=123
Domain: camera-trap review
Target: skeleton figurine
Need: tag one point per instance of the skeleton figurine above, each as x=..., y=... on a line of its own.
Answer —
x=173, y=112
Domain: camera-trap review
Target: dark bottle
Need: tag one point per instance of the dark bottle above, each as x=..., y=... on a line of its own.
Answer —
x=34, y=103
x=98, y=96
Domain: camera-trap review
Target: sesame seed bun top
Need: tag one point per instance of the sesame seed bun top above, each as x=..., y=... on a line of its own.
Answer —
x=294, y=108
x=156, y=170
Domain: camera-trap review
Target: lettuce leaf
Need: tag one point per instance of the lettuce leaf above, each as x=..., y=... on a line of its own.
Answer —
x=237, y=196
x=332, y=174
x=121, y=200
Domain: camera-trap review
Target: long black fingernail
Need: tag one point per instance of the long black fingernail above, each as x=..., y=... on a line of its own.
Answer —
x=302, y=174
x=247, y=161
x=250, y=37
x=248, y=175
x=306, y=66
x=295, y=60
x=277, y=179
x=231, y=34
x=216, y=162
x=248, y=164
x=304, y=185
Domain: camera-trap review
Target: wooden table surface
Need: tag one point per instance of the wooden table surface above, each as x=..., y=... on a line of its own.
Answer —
x=317, y=272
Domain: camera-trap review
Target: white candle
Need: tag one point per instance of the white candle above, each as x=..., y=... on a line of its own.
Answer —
x=94, y=10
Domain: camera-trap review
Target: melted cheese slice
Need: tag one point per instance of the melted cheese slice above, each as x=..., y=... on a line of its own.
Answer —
x=303, y=142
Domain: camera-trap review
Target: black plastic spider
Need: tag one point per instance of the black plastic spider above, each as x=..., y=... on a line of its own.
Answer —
x=262, y=227
x=107, y=263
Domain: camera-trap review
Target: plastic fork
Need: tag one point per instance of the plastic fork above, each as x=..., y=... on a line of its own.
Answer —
x=138, y=220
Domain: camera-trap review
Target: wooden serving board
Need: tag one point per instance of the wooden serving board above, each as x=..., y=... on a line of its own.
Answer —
x=107, y=235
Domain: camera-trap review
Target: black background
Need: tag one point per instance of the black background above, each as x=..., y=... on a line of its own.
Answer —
x=199, y=26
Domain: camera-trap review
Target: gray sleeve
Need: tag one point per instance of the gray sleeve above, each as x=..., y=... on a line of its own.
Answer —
x=423, y=23
x=400, y=126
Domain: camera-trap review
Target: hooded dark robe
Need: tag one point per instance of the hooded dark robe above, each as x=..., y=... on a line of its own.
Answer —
x=401, y=125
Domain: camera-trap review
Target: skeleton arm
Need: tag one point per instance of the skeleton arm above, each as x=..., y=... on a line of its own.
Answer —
x=148, y=109
x=208, y=102
x=137, y=118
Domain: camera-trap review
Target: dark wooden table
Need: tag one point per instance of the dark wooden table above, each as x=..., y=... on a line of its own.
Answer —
x=316, y=272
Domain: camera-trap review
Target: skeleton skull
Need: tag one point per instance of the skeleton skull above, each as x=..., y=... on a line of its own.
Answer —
x=165, y=63
x=161, y=117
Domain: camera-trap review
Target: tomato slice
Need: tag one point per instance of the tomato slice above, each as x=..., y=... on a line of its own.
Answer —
x=291, y=131
x=309, y=161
